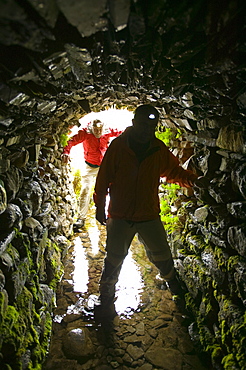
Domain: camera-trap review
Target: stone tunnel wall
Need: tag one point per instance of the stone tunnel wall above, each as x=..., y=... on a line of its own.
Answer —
x=57, y=66
x=37, y=211
x=209, y=247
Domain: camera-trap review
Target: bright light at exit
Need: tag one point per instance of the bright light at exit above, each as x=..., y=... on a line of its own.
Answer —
x=130, y=284
x=117, y=119
x=112, y=118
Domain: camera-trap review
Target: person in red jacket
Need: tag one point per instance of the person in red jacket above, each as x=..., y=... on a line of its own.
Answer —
x=95, y=144
x=130, y=173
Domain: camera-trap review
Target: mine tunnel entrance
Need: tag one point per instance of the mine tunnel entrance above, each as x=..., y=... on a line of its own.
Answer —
x=150, y=330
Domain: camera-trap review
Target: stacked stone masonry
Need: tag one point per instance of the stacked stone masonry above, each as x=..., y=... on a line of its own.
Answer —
x=57, y=65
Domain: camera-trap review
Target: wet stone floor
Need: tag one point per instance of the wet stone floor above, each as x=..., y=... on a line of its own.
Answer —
x=149, y=332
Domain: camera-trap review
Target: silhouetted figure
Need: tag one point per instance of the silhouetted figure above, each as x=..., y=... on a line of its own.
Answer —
x=130, y=173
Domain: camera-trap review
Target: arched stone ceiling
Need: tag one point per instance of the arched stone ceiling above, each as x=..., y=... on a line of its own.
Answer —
x=64, y=58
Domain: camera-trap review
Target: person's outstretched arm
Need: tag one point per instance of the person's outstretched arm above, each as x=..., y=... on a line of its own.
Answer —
x=174, y=172
x=76, y=139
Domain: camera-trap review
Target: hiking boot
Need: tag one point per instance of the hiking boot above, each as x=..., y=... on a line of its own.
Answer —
x=105, y=313
x=175, y=287
x=79, y=224
x=178, y=296
x=160, y=282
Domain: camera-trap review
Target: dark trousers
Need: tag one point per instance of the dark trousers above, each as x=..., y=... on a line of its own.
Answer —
x=120, y=234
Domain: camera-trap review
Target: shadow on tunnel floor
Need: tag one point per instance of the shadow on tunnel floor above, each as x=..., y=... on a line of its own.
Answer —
x=148, y=330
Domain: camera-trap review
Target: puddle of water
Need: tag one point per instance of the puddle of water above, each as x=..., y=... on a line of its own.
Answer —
x=130, y=284
x=58, y=318
x=129, y=287
x=75, y=308
x=80, y=274
x=94, y=235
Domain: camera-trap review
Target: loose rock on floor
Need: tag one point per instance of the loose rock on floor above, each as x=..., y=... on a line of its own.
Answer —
x=149, y=332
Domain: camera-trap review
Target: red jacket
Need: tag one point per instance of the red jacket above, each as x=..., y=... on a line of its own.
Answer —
x=94, y=148
x=133, y=186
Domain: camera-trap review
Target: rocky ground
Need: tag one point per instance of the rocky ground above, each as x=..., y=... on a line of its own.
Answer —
x=149, y=333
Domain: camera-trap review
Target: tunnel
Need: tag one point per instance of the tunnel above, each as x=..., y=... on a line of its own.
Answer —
x=63, y=59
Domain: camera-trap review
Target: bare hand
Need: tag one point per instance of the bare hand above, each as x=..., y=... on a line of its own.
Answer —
x=100, y=216
x=65, y=158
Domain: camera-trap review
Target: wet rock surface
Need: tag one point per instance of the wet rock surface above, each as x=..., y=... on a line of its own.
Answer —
x=150, y=331
x=59, y=63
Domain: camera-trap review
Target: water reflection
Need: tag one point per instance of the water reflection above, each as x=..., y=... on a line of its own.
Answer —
x=129, y=287
x=76, y=308
x=80, y=274
x=130, y=284
x=58, y=318
x=94, y=235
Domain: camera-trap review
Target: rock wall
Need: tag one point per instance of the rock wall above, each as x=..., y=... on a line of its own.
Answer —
x=189, y=61
x=37, y=210
x=209, y=246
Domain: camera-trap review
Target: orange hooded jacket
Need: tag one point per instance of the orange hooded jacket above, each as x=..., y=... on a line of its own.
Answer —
x=133, y=186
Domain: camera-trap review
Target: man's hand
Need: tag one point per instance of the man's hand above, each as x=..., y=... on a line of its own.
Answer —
x=100, y=216
x=201, y=182
x=65, y=158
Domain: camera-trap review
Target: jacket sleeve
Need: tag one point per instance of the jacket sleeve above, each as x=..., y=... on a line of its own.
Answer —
x=114, y=132
x=105, y=176
x=76, y=139
x=174, y=173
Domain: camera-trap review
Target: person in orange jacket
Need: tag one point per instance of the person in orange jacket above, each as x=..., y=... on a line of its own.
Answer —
x=130, y=173
x=95, y=144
